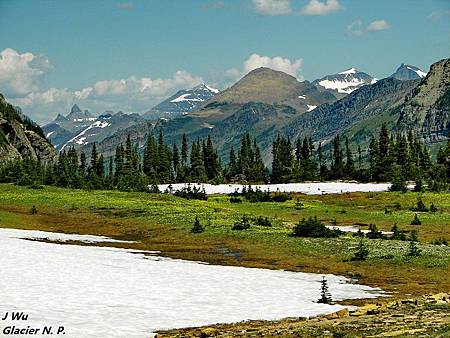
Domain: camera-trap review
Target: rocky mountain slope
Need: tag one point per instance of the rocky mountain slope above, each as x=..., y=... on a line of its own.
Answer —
x=269, y=86
x=22, y=138
x=345, y=82
x=181, y=103
x=368, y=102
x=267, y=102
x=79, y=127
x=427, y=110
x=408, y=72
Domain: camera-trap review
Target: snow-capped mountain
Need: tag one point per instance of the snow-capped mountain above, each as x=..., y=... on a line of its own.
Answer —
x=182, y=103
x=79, y=127
x=408, y=72
x=345, y=82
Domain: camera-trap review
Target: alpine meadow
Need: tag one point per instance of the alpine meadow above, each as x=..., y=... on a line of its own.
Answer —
x=251, y=168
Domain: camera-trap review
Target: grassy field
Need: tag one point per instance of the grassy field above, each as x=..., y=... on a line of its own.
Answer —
x=163, y=222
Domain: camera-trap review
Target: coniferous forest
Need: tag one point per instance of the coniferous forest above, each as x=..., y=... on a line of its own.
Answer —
x=389, y=158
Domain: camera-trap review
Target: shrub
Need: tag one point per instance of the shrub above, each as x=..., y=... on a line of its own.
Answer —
x=235, y=200
x=413, y=250
x=197, y=227
x=361, y=253
x=33, y=210
x=397, y=234
x=154, y=189
x=244, y=224
x=258, y=195
x=373, y=232
x=263, y=221
x=192, y=193
x=433, y=208
x=298, y=205
x=416, y=220
x=312, y=227
x=420, y=206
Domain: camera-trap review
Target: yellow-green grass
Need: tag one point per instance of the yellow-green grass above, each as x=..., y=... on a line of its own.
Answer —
x=163, y=222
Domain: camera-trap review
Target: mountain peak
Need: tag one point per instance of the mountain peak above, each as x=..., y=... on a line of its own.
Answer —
x=75, y=109
x=349, y=71
x=407, y=72
x=345, y=82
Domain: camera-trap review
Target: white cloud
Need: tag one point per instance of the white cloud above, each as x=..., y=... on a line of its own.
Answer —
x=20, y=74
x=132, y=94
x=272, y=7
x=276, y=63
x=357, y=28
x=377, y=25
x=316, y=7
x=291, y=67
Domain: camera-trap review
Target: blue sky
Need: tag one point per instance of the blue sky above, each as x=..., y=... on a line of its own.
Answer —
x=130, y=54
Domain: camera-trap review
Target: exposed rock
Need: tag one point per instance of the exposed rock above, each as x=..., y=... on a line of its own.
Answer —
x=19, y=137
x=392, y=319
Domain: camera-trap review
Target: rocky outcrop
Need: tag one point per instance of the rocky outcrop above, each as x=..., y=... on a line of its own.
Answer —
x=424, y=316
x=427, y=110
x=20, y=137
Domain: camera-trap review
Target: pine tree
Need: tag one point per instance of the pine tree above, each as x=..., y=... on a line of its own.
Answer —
x=177, y=168
x=374, y=159
x=197, y=170
x=337, y=165
x=163, y=170
x=325, y=296
x=233, y=166
x=349, y=163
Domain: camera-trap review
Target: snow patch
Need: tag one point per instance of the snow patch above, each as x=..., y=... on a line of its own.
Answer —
x=349, y=71
x=347, y=86
x=211, y=89
x=303, y=97
x=110, y=292
x=49, y=134
x=184, y=98
x=305, y=188
x=311, y=107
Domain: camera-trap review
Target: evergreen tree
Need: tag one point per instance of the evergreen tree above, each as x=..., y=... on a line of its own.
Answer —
x=349, y=163
x=337, y=165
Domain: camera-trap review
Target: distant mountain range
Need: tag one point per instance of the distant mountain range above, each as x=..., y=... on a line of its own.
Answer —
x=79, y=127
x=182, y=103
x=345, y=82
x=266, y=102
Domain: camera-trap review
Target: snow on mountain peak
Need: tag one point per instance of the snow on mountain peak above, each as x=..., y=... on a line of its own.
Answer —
x=346, y=82
x=349, y=71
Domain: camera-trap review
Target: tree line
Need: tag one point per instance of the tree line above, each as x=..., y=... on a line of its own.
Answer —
x=394, y=158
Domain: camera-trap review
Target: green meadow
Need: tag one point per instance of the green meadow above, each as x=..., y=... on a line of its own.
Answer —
x=163, y=222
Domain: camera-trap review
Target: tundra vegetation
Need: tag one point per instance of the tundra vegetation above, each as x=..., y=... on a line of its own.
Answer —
x=394, y=255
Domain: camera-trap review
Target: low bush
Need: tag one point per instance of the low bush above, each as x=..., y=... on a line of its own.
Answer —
x=263, y=221
x=374, y=233
x=257, y=195
x=235, y=200
x=420, y=206
x=361, y=252
x=416, y=220
x=197, y=227
x=312, y=227
x=244, y=224
x=192, y=193
x=397, y=234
